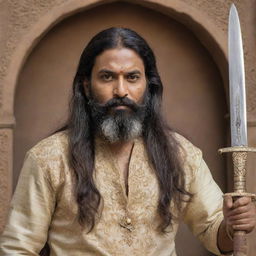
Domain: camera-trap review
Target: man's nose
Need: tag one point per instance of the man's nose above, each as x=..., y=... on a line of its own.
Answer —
x=120, y=89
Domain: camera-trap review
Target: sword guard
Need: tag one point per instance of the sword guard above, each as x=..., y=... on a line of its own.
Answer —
x=241, y=194
x=236, y=149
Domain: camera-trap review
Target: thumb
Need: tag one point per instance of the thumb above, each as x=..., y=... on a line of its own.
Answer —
x=228, y=202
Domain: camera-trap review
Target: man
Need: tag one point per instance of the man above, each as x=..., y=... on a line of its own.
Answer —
x=116, y=180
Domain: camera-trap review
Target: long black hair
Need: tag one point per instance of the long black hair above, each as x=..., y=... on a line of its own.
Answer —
x=161, y=146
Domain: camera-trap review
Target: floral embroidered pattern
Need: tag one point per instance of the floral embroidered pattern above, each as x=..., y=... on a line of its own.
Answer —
x=128, y=224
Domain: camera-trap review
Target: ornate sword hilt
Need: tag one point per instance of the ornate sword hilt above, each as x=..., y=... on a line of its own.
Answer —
x=239, y=156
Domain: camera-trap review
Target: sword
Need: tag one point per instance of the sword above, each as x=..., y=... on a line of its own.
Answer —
x=238, y=121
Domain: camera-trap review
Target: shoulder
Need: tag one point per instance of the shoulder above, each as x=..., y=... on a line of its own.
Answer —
x=52, y=146
x=186, y=147
x=50, y=156
x=190, y=155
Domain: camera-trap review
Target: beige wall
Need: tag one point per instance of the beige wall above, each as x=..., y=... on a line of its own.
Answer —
x=191, y=61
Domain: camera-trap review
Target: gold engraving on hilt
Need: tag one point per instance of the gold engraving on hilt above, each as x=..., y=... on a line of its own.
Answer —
x=239, y=162
x=239, y=155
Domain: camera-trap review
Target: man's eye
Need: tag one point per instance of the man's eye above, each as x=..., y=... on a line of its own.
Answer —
x=133, y=78
x=106, y=77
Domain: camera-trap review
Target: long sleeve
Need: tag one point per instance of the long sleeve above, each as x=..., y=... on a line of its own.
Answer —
x=30, y=212
x=204, y=214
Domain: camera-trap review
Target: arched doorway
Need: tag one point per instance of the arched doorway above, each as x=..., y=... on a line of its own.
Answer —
x=194, y=98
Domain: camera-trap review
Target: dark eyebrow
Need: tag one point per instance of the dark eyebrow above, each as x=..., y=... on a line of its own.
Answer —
x=106, y=71
x=134, y=72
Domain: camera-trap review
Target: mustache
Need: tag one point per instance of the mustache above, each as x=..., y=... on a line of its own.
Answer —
x=115, y=102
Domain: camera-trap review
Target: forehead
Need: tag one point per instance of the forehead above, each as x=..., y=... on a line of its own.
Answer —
x=119, y=59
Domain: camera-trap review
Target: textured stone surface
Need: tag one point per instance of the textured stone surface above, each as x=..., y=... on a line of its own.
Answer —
x=18, y=16
x=21, y=16
x=218, y=11
x=5, y=173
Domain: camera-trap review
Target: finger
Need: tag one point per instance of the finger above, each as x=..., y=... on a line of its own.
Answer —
x=244, y=227
x=242, y=201
x=250, y=208
x=245, y=220
x=239, y=210
x=228, y=202
x=248, y=221
x=244, y=215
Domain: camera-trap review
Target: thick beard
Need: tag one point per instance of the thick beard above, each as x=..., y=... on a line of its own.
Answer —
x=118, y=125
x=121, y=126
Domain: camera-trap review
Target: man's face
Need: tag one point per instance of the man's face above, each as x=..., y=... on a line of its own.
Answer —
x=118, y=73
x=117, y=94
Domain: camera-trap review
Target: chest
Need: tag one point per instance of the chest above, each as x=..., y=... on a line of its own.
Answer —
x=122, y=167
x=128, y=185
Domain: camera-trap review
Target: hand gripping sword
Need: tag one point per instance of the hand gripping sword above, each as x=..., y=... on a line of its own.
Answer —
x=238, y=121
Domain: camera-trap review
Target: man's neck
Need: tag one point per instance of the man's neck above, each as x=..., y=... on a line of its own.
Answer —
x=121, y=148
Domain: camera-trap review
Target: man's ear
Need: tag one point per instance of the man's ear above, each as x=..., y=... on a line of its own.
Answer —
x=86, y=85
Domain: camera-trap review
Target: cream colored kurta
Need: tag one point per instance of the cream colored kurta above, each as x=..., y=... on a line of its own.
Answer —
x=44, y=209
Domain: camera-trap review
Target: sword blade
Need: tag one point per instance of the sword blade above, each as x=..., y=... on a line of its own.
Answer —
x=238, y=120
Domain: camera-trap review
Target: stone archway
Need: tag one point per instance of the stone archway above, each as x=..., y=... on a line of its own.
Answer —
x=205, y=29
x=213, y=38
x=23, y=24
x=40, y=29
x=36, y=68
